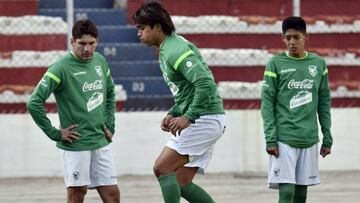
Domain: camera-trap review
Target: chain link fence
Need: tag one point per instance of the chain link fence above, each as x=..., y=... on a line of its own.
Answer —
x=236, y=38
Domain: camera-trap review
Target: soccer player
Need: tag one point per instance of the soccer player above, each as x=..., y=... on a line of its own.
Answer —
x=85, y=98
x=197, y=120
x=295, y=95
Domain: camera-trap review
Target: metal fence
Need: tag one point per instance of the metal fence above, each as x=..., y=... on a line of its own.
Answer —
x=236, y=38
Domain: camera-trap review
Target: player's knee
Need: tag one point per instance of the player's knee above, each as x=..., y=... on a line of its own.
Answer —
x=157, y=170
x=160, y=170
x=183, y=180
x=286, y=193
x=116, y=195
x=76, y=194
x=113, y=196
x=109, y=194
x=300, y=194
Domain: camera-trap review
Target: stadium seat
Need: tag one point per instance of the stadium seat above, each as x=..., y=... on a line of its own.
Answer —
x=99, y=16
x=149, y=87
x=135, y=69
x=77, y=3
x=116, y=34
x=126, y=51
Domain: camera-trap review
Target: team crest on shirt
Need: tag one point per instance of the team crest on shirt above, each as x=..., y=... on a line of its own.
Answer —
x=98, y=70
x=313, y=70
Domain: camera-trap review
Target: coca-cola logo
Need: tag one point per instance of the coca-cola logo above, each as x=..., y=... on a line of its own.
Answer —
x=96, y=85
x=305, y=84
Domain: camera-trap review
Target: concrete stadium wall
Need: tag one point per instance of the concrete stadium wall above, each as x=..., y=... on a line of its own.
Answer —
x=25, y=151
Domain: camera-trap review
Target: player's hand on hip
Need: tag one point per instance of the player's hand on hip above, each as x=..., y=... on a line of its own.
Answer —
x=273, y=151
x=178, y=124
x=324, y=151
x=165, y=123
x=108, y=134
x=68, y=135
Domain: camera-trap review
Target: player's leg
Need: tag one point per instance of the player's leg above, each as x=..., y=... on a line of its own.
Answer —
x=192, y=148
x=76, y=194
x=282, y=172
x=186, y=175
x=307, y=172
x=286, y=193
x=168, y=162
x=103, y=175
x=189, y=190
x=76, y=173
x=203, y=136
x=109, y=193
x=300, y=193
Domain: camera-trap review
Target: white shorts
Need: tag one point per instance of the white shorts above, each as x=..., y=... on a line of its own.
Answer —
x=297, y=166
x=92, y=168
x=198, y=140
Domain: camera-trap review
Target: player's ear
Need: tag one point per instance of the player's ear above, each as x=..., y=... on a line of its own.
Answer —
x=158, y=27
x=283, y=37
x=306, y=36
x=72, y=41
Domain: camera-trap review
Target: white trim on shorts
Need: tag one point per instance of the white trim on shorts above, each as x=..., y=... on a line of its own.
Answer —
x=297, y=166
x=88, y=168
x=198, y=140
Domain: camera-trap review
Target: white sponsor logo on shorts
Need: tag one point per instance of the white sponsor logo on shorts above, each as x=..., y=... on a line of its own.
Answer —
x=76, y=175
x=277, y=172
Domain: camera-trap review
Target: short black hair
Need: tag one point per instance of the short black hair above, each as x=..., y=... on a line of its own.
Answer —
x=153, y=12
x=84, y=27
x=294, y=22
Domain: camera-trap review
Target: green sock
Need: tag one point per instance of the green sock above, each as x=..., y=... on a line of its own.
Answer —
x=300, y=193
x=170, y=188
x=195, y=194
x=286, y=193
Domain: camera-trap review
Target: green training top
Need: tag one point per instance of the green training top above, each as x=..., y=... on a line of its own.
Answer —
x=189, y=79
x=84, y=93
x=295, y=91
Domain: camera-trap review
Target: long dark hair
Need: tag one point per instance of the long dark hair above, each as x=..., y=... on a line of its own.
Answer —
x=151, y=13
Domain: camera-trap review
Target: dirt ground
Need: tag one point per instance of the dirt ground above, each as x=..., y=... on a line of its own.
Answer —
x=335, y=187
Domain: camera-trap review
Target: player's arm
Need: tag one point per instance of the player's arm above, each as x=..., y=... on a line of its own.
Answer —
x=174, y=111
x=110, y=103
x=268, y=102
x=324, y=105
x=50, y=82
x=195, y=72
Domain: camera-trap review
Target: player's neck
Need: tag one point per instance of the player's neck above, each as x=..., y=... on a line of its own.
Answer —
x=302, y=54
x=161, y=39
